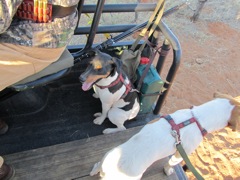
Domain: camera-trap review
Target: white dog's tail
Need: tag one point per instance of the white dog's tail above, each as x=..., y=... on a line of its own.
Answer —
x=96, y=169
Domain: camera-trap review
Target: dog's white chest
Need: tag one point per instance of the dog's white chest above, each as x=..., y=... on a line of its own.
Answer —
x=108, y=97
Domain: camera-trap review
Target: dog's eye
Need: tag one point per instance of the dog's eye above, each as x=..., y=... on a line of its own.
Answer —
x=98, y=67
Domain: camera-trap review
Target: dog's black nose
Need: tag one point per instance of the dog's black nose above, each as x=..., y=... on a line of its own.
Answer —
x=82, y=79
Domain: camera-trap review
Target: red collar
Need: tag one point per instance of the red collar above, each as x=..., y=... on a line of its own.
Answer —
x=119, y=79
x=177, y=127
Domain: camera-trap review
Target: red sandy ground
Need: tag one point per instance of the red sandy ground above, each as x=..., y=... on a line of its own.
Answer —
x=208, y=65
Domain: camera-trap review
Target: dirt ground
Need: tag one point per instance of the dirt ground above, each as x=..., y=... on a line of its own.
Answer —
x=210, y=63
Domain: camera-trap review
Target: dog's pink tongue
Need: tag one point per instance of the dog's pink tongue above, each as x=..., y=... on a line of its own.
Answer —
x=86, y=86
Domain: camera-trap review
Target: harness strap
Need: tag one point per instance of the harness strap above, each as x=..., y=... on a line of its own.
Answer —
x=112, y=84
x=177, y=127
x=119, y=79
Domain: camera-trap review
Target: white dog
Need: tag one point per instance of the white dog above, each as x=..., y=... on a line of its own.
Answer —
x=155, y=141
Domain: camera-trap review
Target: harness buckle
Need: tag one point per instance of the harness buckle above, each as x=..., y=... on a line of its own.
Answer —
x=176, y=136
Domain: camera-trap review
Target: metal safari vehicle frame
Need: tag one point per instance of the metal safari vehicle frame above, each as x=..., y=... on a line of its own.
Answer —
x=29, y=126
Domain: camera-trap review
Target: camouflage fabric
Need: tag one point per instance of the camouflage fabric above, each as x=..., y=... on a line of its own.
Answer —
x=7, y=10
x=54, y=34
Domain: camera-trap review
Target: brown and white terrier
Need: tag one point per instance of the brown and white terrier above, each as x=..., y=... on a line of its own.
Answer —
x=119, y=100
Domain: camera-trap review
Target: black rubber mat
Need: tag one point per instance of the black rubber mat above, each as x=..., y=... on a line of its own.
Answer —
x=66, y=116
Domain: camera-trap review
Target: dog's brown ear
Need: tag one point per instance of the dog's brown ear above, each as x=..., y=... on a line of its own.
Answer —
x=235, y=101
x=235, y=116
x=94, y=52
x=236, y=113
x=117, y=63
x=235, y=119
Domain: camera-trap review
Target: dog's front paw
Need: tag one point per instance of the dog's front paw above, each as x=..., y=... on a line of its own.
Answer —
x=113, y=130
x=95, y=95
x=107, y=131
x=96, y=169
x=168, y=170
x=97, y=114
x=98, y=120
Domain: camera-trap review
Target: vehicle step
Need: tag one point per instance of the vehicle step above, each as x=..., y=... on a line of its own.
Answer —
x=74, y=160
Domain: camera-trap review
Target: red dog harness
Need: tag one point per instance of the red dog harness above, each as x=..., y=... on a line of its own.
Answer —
x=119, y=79
x=176, y=127
x=176, y=133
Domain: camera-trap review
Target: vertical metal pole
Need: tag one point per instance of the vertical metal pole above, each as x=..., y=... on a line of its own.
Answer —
x=163, y=55
x=80, y=8
x=177, y=53
x=96, y=19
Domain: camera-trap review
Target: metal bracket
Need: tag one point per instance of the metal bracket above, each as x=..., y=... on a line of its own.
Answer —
x=176, y=136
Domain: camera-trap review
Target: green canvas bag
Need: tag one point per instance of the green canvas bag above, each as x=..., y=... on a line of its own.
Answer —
x=131, y=57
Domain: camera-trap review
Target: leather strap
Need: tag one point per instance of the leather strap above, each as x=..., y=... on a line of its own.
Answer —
x=153, y=22
x=155, y=17
x=188, y=162
x=60, y=11
x=153, y=55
